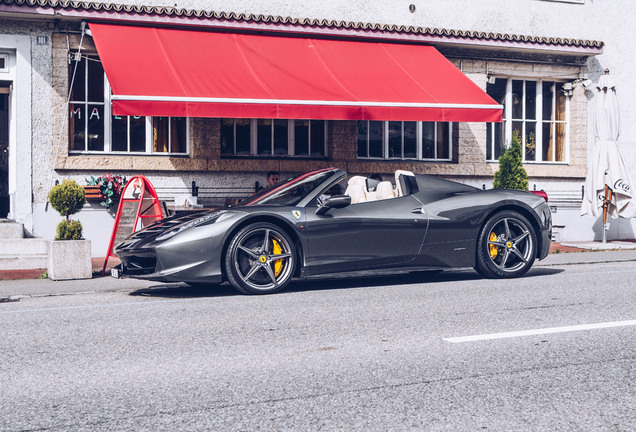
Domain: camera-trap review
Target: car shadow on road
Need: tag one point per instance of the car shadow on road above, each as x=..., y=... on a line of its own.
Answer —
x=414, y=277
x=182, y=290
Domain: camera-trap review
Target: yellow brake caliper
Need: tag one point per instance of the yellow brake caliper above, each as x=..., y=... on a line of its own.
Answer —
x=493, y=248
x=278, y=264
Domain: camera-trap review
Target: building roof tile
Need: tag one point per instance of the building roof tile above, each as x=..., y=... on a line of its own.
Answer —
x=306, y=23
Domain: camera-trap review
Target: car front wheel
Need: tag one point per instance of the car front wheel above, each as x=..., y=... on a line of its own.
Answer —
x=260, y=259
x=507, y=246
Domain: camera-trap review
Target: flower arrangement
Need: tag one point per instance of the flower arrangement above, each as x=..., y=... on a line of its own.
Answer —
x=109, y=186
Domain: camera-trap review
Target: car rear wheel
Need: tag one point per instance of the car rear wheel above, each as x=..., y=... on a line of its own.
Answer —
x=260, y=259
x=507, y=246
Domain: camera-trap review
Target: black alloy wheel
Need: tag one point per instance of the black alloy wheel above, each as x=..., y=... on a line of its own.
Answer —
x=260, y=259
x=507, y=246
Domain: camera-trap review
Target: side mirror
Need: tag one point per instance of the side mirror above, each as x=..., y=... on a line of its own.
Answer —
x=336, y=201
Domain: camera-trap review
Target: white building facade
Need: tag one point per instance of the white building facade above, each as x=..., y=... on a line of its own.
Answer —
x=536, y=58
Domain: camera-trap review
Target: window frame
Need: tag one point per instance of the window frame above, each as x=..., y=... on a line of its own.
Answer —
x=418, y=142
x=508, y=120
x=108, y=122
x=291, y=140
x=4, y=66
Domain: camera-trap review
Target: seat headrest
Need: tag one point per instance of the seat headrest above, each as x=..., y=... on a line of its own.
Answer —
x=384, y=190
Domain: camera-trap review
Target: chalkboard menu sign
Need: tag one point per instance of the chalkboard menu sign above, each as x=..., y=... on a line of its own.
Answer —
x=138, y=206
x=126, y=225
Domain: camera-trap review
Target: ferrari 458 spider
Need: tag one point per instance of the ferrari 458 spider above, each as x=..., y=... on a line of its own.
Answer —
x=307, y=226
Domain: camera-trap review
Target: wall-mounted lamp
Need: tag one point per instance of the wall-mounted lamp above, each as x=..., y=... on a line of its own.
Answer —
x=491, y=79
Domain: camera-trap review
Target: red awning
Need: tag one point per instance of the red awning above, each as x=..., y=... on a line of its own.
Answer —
x=188, y=73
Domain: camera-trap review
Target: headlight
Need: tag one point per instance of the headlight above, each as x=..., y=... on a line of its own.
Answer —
x=203, y=220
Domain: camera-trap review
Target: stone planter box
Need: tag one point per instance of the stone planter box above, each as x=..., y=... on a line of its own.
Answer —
x=70, y=259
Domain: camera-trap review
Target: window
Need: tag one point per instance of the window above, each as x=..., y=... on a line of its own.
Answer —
x=273, y=137
x=94, y=128
x=4, y=62
x=404, y=140
x=539, y=110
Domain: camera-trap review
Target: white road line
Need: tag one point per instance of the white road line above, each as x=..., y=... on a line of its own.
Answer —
x=541, y=331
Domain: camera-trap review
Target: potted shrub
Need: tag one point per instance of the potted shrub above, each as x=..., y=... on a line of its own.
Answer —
x=511, y=173
x=69, y=254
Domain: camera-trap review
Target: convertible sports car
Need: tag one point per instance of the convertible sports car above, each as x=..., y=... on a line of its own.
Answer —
x=305, y=226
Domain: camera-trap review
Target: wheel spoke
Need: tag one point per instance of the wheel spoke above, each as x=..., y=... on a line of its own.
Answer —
x=508, y=235
x=521, y=237
x=268, y=268
x=519, y=254
x=497, y=243
x=506, y=254
x=279, y=256
x=253, y=270
x=266, y=242
x=248, y=251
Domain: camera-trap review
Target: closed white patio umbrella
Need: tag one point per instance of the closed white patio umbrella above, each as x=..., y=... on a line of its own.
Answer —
x=608, y=186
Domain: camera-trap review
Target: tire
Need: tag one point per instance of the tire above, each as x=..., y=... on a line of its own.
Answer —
x=260, y=259
x=506, y=247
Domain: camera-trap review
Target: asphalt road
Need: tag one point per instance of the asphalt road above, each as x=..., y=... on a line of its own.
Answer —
x=355, y=354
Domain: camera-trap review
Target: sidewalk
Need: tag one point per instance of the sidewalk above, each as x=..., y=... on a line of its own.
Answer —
x=31, y=286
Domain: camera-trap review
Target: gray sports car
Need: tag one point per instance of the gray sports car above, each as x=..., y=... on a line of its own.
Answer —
x=307, y=226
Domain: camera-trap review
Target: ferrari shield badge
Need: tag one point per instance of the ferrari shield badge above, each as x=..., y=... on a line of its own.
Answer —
x=296, y=213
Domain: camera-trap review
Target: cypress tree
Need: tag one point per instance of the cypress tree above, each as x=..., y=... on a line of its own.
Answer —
x=511, y=174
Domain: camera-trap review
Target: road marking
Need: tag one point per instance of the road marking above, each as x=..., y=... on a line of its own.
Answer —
x=543, y=331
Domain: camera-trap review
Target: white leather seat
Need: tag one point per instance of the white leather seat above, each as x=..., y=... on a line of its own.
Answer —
x=384, y=190
x=356, y=192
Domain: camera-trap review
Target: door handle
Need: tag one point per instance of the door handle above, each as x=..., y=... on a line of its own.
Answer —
x=418, y=210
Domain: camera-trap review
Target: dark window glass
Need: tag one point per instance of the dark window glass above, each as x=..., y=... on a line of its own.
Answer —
x=137, y=134
x=264, y=136
x=516, y=126
x=227, y=136
x=363, y=135
x=530, y=141
x=280, y=136
x=428, y=140
x=410, y=139
x=442, y=140
x=517, y=99
x=77, y=126
x=531, y=100
x=317, y=137
x=78, y=91
x=95, y=127
x=547, y=141
x=119, y=135
x=495, y=139
x=497, y=91
x=547, y=100
x=95, y=81
x=242, y=136
x=301, y=137
x=499, y=140
x=376, y=132
x=178, y=134
x=395, y=139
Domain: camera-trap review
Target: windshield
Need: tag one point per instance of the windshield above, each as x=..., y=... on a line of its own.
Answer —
x=291, y=191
